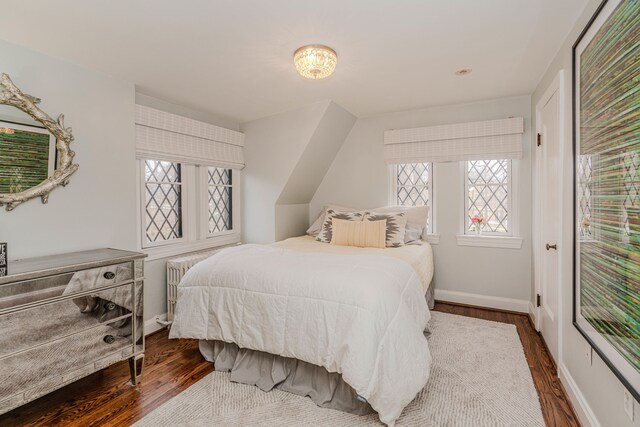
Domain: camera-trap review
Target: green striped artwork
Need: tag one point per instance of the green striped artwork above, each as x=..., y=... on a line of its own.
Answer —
x=608, y=258
x=24, y=158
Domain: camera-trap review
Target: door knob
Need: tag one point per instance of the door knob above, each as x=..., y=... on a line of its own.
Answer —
x=554, y=247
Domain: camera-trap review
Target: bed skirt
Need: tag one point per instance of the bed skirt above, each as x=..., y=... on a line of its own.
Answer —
x=431, y=295
x=268, y=371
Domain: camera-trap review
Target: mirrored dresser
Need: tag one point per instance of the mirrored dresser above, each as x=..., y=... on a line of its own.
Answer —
x=64, y=317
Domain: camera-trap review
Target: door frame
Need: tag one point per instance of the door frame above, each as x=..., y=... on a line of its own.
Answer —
x=556, y=86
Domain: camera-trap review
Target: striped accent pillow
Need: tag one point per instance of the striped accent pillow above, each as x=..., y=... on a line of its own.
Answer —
x=363, y=234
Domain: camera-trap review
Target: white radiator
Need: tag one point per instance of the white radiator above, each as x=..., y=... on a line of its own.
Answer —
x=176, y=268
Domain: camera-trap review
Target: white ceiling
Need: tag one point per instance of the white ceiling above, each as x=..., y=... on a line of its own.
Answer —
x=234, y=58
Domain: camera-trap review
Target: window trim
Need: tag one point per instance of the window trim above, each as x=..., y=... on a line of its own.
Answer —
x=432, y=236
x=193, y=234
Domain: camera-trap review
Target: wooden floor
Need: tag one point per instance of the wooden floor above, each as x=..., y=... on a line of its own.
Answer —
x=106, y=399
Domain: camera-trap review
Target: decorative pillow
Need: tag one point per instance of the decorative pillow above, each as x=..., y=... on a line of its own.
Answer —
x=363, y=234
x=396, y=225
x=417, y=217
x=326, y=233
x=413, y=234
x=315, y=228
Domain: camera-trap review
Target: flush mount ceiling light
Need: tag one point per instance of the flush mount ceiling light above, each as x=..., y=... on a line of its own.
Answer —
x=315, y=61
x=463, y=72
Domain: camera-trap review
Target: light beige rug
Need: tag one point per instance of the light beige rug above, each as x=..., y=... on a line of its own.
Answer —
x=479, y=377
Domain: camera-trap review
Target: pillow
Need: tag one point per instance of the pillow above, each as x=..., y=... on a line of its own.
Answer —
x=413, y=234
x=326, y=233
x=315, y=228
x=417, y=217
x=396, y=225
x=363, y=234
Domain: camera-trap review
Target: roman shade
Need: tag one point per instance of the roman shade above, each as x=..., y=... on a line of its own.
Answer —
x=166, y=136
x=486, y=140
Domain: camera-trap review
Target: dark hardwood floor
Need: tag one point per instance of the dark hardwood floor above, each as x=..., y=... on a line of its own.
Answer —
x=106, y=399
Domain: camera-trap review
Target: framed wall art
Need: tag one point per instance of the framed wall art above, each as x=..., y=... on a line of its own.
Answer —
x=27, y=156
x=606, y=137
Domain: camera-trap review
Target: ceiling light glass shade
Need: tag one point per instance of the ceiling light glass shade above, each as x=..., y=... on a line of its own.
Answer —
x=315, y=61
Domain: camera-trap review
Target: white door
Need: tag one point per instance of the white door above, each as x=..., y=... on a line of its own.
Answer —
x=548, y=201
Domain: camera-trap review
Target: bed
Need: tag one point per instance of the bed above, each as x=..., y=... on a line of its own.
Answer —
x=420, y=257
x=342, y=325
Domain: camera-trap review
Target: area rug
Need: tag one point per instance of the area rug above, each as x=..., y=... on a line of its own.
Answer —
x=479, y=377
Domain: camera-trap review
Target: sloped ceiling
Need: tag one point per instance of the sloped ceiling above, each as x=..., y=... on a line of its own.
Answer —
x=321, y=149
x=234, y=58
x=287, y=155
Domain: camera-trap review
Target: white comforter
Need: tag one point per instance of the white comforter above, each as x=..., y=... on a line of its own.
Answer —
x=362, y=315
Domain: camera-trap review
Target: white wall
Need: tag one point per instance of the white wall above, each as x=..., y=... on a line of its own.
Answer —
x=96, y=209
x=287, y=155
x=598, y=388
x=359, y=177
x=273, y=146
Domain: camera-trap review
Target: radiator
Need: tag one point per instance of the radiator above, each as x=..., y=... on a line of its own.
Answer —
x=176, y=268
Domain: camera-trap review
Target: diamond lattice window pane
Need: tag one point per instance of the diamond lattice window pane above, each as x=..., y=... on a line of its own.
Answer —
x=163, y=201
x=161, y=171
x=413, y=185
x=413, y=174
x=220, y=200
x=585, y=168
x=630, y=189
x=219, y=176
x=488, y=194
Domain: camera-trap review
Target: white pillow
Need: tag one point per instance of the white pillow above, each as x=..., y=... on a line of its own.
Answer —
x=417, y=217
x=315, y=228
x=413, y=234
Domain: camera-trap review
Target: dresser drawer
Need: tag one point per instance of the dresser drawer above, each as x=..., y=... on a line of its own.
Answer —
x=46, y=366
x=33, y=291
x=55, y=320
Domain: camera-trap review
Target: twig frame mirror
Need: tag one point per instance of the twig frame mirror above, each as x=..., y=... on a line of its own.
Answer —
x=12, y=96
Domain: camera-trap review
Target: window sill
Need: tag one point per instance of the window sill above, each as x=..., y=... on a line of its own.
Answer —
x=434, y=239
x=166, y=251
x=489, y=241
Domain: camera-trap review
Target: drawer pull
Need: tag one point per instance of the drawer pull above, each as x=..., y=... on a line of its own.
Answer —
x=109, y=306
x=109, y=275
x=109, y=339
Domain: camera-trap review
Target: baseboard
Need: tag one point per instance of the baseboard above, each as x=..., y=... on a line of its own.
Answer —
x=500, y=303
x=152, y=325
x=580, y=405
x=532, y=315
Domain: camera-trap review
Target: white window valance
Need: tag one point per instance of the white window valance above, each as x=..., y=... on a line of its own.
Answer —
x=166, y=136
x=486, y=140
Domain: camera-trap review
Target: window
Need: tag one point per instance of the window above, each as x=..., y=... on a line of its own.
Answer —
x=186, y=204
x=630, y=189
x=163, y=201
x=187, y=207
x=220, y=198
x=413, y=186
x=585, y=173
x=488, y=193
